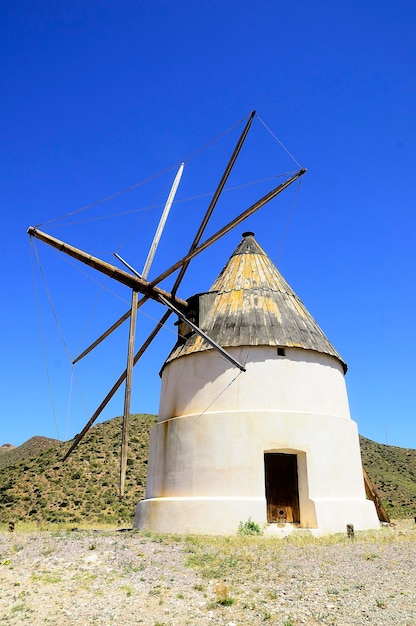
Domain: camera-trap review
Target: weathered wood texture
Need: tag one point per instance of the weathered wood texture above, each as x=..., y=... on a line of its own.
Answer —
x=251, y=304
x=127, y=394
x=372, y=494
x=140, y=285
x=282, y=491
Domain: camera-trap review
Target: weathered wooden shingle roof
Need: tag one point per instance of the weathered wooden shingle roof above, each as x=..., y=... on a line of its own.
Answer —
x=251, y=304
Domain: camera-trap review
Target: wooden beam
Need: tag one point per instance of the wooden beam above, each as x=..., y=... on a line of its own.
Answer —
x=78, y=438
x=139, y=284
x=240, y=218
x=127, y=395
x=214, y=200
x=162, y=222
x=372, y=494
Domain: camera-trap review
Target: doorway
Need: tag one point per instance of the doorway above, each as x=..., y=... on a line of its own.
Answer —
x=282, y=493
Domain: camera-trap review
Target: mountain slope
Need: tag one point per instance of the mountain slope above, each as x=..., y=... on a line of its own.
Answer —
x=32, y=447
x=84, y=488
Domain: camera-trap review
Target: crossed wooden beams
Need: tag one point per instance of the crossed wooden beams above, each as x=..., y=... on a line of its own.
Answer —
x=150, y=290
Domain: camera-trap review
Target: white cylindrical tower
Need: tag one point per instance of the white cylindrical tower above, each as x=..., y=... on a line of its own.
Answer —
x=276, y=443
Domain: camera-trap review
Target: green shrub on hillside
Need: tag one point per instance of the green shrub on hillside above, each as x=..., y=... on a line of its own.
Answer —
x=84, y=488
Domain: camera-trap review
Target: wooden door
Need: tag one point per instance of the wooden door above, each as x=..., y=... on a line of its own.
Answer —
x=282, y=494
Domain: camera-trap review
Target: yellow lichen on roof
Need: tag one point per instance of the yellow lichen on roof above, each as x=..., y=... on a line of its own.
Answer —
x=252, y=305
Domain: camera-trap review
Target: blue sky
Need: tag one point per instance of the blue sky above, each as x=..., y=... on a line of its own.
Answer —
x=98, y=96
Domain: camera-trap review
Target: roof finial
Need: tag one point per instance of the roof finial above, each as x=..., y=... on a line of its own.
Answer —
x=248, y=233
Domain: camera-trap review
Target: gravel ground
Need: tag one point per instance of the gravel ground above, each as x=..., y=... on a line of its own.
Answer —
x=122, y=578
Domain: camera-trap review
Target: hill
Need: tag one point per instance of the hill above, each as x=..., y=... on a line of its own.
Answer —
x=32, y=447
x=83, y=489
x=36, y=486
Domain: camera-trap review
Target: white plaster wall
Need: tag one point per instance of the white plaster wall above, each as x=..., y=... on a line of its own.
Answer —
x=206, y=457
x=302, y=380
x=206, y=472
x=221, y=454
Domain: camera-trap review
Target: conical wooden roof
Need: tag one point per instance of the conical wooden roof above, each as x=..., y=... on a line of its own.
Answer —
x=251, y=304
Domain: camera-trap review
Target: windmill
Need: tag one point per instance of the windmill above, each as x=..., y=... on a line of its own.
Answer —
x=275, y=444
x=139, y=284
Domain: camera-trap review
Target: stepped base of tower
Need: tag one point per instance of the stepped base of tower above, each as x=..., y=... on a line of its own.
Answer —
x=205, y=516
x=222, y=516
x=208, y=473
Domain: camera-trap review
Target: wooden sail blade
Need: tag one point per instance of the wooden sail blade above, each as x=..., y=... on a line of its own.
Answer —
x=214, y=200
x=134, y=282
x=101, y=338
x=116, y=385
x=108, y=332
x=127, y=395
x=162, y=222
x=78, y=438
x=240, y=218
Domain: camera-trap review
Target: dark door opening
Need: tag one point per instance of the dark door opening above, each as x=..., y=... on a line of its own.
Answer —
x=282, y=493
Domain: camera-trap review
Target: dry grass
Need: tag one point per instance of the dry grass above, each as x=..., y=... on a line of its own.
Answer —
x=149, y=578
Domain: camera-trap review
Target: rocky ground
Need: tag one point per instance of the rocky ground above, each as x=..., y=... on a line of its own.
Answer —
x=122, y=578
